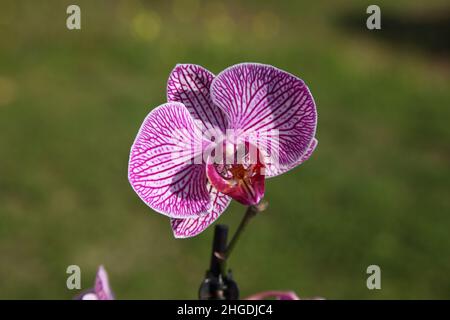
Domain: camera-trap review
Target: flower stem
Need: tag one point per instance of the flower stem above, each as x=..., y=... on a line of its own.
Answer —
x=249, y=214
x=219, y=283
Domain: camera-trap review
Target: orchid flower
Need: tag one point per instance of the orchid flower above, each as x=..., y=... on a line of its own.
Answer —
x=101, y=289
x=218, y=138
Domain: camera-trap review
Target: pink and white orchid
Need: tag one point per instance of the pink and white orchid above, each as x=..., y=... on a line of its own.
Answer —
x=218, y=138
x=101, y=289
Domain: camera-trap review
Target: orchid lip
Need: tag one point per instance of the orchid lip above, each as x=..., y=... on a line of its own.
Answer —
x=244, y=182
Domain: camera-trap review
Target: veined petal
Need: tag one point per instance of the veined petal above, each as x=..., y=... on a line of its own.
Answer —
x=312, y=146
x=275, y=171
x=102, y=288
x=271, y=106
x=160, y=168
x=190, y=84
x=185, y=228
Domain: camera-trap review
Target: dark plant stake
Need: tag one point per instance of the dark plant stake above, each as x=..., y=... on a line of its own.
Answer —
x=218, y=285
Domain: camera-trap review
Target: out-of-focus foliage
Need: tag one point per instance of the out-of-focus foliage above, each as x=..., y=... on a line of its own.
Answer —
x=376, y=190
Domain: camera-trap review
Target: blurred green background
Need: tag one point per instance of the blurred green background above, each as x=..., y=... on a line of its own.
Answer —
x=376, y=190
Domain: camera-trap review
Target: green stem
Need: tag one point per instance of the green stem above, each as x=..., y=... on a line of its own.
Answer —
x=249, y=214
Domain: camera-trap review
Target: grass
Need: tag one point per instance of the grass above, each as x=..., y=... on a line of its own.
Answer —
x=374, y=192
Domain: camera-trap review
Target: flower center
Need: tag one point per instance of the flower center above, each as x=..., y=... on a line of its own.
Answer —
x=239, y=172
x=243, y=180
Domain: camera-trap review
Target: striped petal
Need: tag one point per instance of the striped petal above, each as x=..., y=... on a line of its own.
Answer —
x=190, y=84
x=271, y=106
x=185, y=228
x=312, y=146
x=102, y=288
x=160, y=167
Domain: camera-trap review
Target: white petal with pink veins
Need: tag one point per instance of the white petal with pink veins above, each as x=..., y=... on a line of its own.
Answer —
x=160, y=167
x=190, y=85
x=185, y=228
x=102, y=288
x=274, y=107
